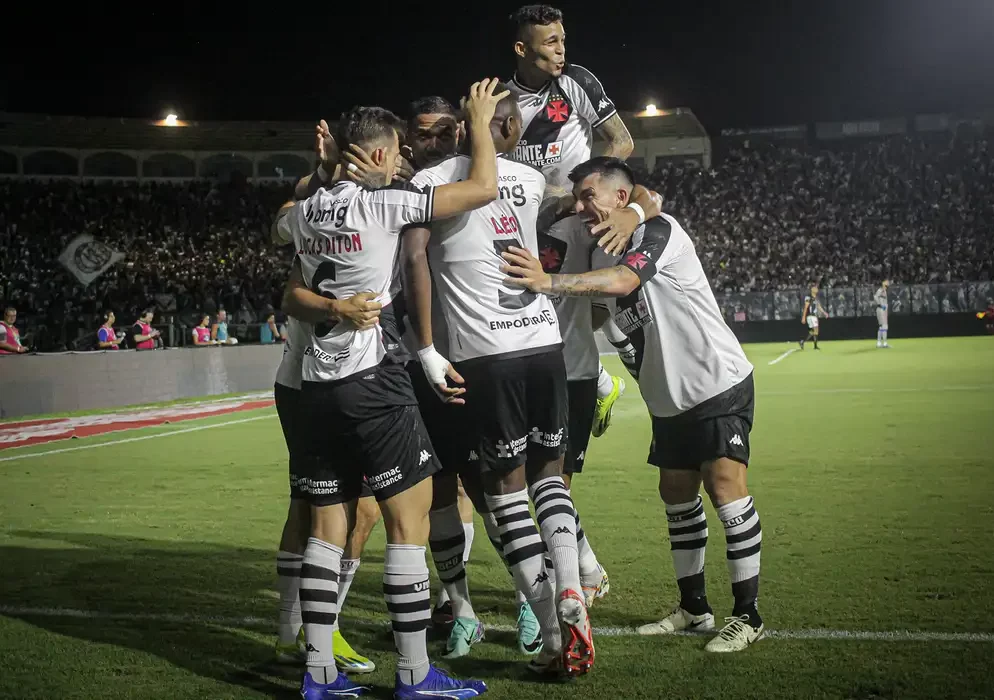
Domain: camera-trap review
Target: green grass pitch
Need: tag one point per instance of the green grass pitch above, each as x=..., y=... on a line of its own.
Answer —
x=146, y=569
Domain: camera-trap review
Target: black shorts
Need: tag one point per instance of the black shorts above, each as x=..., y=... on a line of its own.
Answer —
x=517, y=409
x=367, y=428
x=582, y=407
x=445, y=422
x=288, y=408
x=719, y=427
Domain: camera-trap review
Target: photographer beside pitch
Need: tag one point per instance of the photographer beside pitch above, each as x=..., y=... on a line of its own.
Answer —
x=698, y=386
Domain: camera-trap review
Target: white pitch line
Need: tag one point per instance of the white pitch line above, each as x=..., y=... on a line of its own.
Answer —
x=784, y=356
x=269, y=624
x=132, y=439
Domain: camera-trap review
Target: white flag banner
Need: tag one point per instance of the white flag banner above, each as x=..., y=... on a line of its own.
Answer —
x=88, y=258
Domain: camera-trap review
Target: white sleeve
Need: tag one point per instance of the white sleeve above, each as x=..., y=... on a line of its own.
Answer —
x=286, y=224
x=398, y=206
x=587, y=95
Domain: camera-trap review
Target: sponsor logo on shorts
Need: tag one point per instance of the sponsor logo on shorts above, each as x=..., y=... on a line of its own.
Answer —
x=425, y=456
x=517, y=446
x=547, y=439
x=381, y=481
x=312, y=486
x=546, y=317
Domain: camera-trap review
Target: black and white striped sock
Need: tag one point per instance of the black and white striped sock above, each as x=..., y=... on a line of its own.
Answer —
x=493, y=534
x=743, y=540
x=557, y=519
x=319, y=606
x=688, y=526
x=288, y=586
x=408, y=596
x=448, y=546
x=345, y=578
x=590, y=569
x=523, y=552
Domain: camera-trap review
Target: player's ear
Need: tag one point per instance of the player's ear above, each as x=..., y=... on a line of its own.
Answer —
x=378, y=155
x=519, y=48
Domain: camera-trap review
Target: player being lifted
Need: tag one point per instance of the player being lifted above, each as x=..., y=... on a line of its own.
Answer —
x=561, y=105
x=809, y=316
x=698, y=387
x=506, y=344
x=361, y=409
x=880, y=300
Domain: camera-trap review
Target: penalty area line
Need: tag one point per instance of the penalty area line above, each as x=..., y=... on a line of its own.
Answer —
x=267, y=624
x=783, y=357
x=133, y=439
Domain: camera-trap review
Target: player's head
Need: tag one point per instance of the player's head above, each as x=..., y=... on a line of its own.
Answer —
x=505, y=127
x=432, y=130
x=9, y=315
x=885, y=284
x=539, y=39
x=814, y=290
x=601, y=184
x=376, y=131
x=109, y=317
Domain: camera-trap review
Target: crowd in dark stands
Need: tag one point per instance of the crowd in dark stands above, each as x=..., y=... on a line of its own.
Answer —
x=917, y=209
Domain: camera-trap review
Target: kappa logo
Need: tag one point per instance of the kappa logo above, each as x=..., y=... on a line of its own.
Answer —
x=602, y=104
x=540, y=579
x=425, y=456
x=736, y=440
x=473, y=457
x=582, y=456
x=562, y=531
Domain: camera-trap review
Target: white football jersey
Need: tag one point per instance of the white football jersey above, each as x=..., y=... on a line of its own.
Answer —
x=559, y=120
x=568, y=248
x=685, y=351
x=297, y=336
x=347, y=240
x=485, y=317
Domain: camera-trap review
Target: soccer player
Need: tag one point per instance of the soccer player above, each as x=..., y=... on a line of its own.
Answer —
x=988, y=315
x=359, y=401
x=305, y=308
x=507, y=346
x=880, y=299
x=809, y=316
x=698, y=387
x=562, y=104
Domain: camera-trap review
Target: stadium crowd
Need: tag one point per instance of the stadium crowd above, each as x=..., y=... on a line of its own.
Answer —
x=914, y=208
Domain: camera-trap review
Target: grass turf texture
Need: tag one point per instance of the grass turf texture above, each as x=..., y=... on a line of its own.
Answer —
x=872, y=473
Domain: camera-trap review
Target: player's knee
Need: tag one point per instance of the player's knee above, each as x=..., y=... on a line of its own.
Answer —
x=297, y=528
x=678, y=485
x=445, y=490
x=536, y=470
x=725, y=481
x=330, y=524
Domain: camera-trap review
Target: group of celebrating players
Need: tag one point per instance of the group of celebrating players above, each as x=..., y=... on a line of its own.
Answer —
x=449, y=274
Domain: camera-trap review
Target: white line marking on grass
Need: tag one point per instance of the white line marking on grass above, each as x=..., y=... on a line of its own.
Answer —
x=784, y=356
x=270, y=624
x=132, y=439
x=885, y=390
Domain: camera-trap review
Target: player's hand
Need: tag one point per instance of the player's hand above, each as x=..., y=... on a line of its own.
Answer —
x=437, y=369
x=615, y=228
x=361, y=169
x=481, y=104
x=325, y=147
x=21, y=349
x=404, y=171
x=359, y=310
x=526, y=270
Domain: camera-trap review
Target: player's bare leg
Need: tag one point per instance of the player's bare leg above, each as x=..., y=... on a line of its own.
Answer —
x=688, y=533
x=289, y=646
x=366, y=516
x=448, y=549
x=725, y=483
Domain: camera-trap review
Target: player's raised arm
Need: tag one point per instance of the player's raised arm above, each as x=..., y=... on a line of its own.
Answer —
x=279, y=231
x=481, y=187
x=327, y=170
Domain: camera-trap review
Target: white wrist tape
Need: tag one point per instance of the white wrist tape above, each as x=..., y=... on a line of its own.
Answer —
x=638, y=210
x=433, y=364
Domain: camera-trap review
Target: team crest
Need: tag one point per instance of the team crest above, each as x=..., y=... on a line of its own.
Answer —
x=557, y=110
x=551, y=253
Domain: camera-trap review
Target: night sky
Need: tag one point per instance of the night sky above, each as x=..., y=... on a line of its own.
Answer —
x=735, y=63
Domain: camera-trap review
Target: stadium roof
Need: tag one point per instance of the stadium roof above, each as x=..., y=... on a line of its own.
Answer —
x=36, y=131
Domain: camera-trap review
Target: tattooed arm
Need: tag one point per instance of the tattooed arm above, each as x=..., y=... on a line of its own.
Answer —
x=527, y=272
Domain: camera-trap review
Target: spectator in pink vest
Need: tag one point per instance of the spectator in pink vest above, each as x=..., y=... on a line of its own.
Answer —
x=106, y=336
x=142, y=335
x=202, y=333
x=10, y=337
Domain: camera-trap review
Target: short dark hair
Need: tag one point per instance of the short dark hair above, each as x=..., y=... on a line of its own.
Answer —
x=605, y=166
x=532, y=15
x=146, y=312
x=364, y=125
x=433, y=104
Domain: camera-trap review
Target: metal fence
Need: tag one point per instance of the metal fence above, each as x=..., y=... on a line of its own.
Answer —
x=858, y=301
